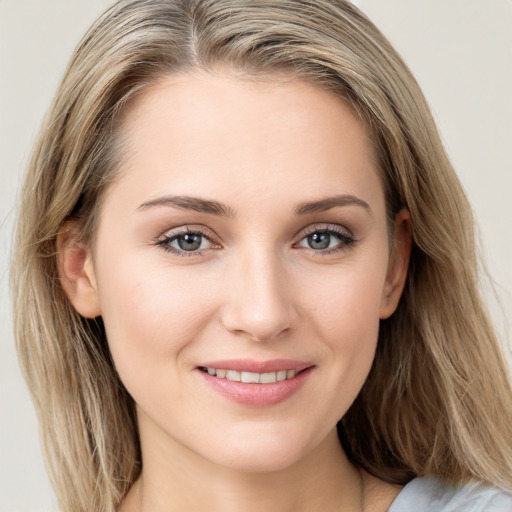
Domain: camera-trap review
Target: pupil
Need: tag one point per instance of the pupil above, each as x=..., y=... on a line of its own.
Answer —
x=189, y=242
x=319, y=240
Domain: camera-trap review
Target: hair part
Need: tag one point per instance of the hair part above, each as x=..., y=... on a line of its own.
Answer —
x=438, y=398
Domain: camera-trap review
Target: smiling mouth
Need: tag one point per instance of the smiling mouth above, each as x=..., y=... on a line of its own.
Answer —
x=250, y=377
x=267, y=384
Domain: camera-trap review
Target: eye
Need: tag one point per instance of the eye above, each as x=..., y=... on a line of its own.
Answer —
x=326, y=239
x=186, y=241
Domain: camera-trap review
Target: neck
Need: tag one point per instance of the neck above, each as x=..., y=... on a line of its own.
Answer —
x=180, y=480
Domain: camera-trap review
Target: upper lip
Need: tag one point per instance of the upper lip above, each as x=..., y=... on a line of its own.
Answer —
x=251, y=365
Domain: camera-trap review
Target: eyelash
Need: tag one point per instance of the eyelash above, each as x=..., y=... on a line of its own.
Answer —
x=346, y=240
x=165, y=242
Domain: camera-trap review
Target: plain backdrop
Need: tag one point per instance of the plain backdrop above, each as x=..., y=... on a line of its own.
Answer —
x=461, y=53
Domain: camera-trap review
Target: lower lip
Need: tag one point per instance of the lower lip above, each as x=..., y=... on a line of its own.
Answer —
x=257, y=395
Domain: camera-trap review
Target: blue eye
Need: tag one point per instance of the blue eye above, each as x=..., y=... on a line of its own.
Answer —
x=186, y=242
x=189, y=241
x=326, y=240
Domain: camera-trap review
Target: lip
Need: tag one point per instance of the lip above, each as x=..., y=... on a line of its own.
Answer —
x=257, y=395
x=250, y=365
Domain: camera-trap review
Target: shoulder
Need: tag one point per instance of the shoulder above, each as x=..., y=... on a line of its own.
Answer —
x=429, y=494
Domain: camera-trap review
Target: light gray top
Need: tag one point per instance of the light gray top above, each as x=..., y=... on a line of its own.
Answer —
x=428, y=494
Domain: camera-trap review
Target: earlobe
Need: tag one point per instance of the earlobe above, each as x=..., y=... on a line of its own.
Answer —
x=398, y=264
x=76, y=272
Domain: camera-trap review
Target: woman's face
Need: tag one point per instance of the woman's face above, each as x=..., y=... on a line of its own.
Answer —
x=246, y=234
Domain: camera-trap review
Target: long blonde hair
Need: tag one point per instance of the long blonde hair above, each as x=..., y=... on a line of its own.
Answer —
x=438, y=399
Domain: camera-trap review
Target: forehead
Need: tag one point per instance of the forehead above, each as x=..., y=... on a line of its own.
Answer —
x=197, y=132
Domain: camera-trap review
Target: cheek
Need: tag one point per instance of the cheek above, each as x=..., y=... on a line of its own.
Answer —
x=150, y=312
x=345, y=311
x=347, y=300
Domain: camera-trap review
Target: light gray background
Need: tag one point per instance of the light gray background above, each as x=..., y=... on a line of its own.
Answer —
x=461, y=53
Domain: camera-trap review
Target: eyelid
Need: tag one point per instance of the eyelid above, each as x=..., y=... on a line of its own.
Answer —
x=323, y=227
x=336, y=228
x=345, y=236
x=164, y=240
x=189, y=228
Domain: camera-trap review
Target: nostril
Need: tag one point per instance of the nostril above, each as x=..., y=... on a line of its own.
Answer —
x=259, y=307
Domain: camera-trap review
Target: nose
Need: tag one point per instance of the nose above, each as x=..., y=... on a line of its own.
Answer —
x=259, y=301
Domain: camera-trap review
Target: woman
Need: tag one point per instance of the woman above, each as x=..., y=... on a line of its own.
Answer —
x=245, y=273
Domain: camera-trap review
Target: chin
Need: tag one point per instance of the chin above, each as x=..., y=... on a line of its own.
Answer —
x=258, y=462
x=260, y=452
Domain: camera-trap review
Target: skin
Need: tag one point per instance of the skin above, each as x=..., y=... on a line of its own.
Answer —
x=255, y=289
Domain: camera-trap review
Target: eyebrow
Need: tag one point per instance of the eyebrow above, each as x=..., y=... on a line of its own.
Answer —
x=195, y=204
x=323, y=205
x=215, y=208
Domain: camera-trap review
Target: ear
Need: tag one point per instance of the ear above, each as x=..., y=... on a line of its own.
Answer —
x=76, y=271
x=398, y=264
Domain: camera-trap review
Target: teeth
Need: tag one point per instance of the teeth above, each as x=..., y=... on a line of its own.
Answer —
x=233, y=375
x=252, y=377
x=281, y=375
x=267, y=378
